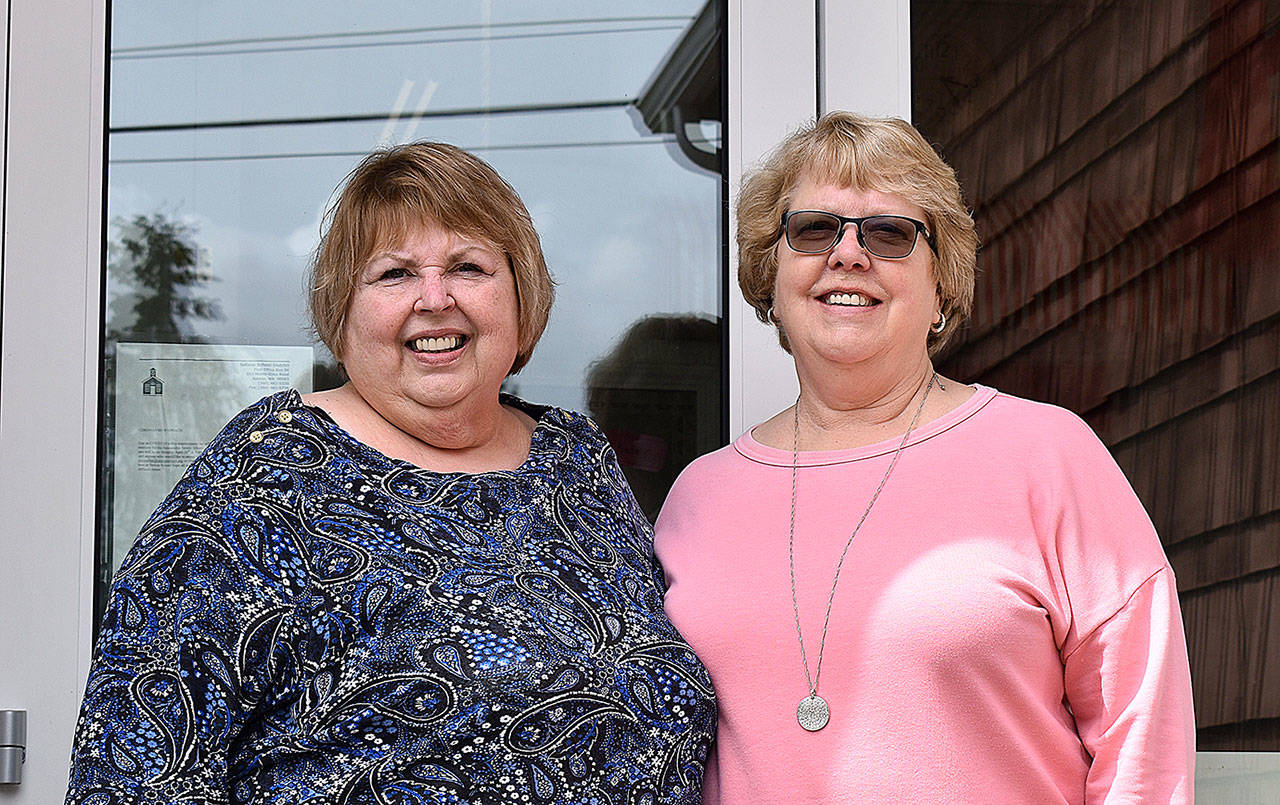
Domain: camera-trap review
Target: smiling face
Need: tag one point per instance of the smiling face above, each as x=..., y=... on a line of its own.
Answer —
x=846, y=306
x=432, y=324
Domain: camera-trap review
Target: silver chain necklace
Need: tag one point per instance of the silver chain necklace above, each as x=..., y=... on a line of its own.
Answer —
x=813, y=712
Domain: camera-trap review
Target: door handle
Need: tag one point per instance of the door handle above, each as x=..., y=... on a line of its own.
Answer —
x=13, y=745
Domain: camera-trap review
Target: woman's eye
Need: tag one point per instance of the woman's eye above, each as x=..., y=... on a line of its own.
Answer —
x=818, y=228
x=468, y=268
x=811, y=226
x=396, y=273
x=889, y=230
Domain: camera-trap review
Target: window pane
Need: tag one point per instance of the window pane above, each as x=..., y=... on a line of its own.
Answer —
x=1122, y=160
x=231, y=125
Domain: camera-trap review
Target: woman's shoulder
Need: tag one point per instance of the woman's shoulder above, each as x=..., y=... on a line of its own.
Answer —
x=251, y=424
x=1065, y=464
x=536, y=411
x=233, y=458
x=566, y=420
x=267, y=426
x=718, y=469
x=1034, y=421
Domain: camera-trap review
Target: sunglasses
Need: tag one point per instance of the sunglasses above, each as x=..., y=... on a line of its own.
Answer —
x=889, y=236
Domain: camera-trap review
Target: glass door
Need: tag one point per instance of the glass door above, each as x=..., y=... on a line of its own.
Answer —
x=230, y=129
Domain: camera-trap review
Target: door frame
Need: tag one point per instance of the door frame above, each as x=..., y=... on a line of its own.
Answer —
x=50, y=291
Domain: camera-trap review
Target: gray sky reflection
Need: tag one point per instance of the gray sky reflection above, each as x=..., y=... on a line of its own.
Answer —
x=627, y=230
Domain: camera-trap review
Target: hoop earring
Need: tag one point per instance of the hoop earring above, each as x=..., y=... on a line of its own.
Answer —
x=940, y=324
x=773, y=319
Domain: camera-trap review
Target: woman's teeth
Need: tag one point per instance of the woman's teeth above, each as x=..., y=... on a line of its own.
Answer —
x=852, y=299
x=442, y=344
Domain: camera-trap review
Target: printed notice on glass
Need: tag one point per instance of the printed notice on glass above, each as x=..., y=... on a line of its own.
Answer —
x=170, y=401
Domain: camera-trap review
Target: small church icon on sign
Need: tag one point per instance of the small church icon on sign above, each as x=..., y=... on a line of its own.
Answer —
x=153, y=385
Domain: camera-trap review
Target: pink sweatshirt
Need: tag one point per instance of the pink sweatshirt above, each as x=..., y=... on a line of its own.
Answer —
x=1005, y=629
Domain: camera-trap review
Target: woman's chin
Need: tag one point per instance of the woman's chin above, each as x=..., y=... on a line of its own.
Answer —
x=880, y=357
x=438, y=396
x=848, y=351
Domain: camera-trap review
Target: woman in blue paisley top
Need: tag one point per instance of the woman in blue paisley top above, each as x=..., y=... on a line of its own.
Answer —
x=408, y=589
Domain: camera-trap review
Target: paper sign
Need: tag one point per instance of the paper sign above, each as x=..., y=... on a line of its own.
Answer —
x=170, y=401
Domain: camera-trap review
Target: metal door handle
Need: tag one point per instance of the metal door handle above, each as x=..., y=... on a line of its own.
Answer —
x=13, y=745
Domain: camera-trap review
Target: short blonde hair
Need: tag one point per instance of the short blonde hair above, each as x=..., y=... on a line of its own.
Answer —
x=396, y=189
x=864, y=153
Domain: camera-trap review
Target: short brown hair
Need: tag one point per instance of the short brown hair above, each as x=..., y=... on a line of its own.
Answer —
x=865, y=153
x=396, y=189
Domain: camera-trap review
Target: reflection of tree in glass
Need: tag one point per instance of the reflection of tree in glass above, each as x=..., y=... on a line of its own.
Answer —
x=158, y=261
x=155, y=268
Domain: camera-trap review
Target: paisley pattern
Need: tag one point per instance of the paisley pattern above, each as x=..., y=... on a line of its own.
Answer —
x=304, y=620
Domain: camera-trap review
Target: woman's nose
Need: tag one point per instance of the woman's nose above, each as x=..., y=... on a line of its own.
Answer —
x=848, y=253
x=433, y=293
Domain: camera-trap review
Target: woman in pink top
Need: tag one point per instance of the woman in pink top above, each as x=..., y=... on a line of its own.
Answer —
x=908, y=589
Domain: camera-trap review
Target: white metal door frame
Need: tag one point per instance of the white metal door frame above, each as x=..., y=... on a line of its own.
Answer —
x=772, y=75
x=54, y=78
x=856, y=54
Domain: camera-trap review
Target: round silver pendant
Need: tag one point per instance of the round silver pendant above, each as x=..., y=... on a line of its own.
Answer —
x=813, y=712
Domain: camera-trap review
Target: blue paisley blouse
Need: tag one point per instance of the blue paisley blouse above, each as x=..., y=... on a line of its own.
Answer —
x=305, y=620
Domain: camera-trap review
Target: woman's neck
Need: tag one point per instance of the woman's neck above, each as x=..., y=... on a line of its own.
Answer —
x=852, y=409
x=856, y=406
x=458, y=438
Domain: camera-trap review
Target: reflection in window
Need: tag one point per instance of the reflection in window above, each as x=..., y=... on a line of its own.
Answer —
x=656, y=395
x=229, y=131
x=1121, y=161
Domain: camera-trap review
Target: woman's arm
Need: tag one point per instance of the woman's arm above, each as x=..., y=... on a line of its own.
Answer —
x=186, y=652
x=1129, y=688
x=1127, y=677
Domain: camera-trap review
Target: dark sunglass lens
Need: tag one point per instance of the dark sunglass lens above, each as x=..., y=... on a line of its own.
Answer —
x=812, y=231
x=889, y=237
